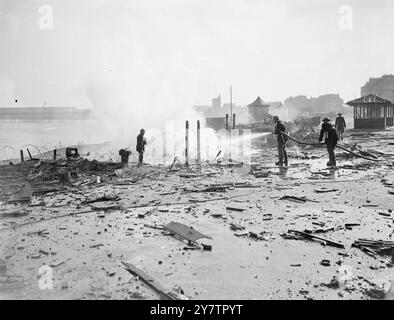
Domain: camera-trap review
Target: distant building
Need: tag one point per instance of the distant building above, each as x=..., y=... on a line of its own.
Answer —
x=217, y=102
x=277, y=108
x=215, y=115
x=382, y=87
x=322, y=105
x=372, y=112
x=47, y=113
x=275, y=105
x=258, y=110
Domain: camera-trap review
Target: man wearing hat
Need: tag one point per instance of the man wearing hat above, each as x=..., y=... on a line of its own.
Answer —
x=340, y=125
x=281, y=141
x=330, y=139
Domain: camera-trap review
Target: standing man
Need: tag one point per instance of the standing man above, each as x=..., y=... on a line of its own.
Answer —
x=281, y=142
x=141, y=147
x=330, y=139
x=340, y=125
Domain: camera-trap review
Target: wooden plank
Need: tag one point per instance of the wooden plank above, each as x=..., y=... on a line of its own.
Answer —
x=185, y=232
x=28, y=151
x=164, y=293
x=23, y=195
x=311, y=236
x=232, y=208
x=325, y=190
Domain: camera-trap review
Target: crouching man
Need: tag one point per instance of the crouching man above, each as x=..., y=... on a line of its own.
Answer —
x=330, y=136
x=124, y=156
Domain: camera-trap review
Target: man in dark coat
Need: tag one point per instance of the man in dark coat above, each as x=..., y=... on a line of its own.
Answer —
x=141, y=147
x=340, y=125
x=281, y=139
x=330, y=139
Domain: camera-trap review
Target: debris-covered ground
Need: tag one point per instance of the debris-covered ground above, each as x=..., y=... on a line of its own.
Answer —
x=259, y=231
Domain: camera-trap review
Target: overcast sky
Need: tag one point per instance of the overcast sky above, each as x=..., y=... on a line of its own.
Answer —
x=172, y=54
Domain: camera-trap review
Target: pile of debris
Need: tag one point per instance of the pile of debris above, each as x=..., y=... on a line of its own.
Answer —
x=375, y=247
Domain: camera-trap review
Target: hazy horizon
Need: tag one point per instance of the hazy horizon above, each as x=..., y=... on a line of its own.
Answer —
x=165, y=56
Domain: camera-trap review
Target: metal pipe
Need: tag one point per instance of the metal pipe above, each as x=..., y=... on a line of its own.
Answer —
x=233, y=120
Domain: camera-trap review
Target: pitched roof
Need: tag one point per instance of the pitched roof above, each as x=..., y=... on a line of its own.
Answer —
x=258, y=103
x=371, y=98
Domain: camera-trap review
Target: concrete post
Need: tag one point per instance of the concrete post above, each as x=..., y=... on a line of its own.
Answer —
x=187, y=144
x=198, y=142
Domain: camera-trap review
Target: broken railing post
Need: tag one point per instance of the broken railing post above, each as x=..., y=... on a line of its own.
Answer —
x=226, y=130
x=241, y=144
x=228, y=137
x=198, y=142
x=187, y=144
x=28, y=151
x=22, y=158
x=231, y=143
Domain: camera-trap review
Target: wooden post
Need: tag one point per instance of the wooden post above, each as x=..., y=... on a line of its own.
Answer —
x=54, y=154
x=354, y=117
x=165, y=148
x=231, y=100
x=241, y=143
x=229, y=141
x=233, y=120
x=198, y=142
x=28, y=151
x=22, y=157
x=187, y=144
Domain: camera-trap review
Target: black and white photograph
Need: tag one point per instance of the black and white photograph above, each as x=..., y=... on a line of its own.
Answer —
x=216, y=151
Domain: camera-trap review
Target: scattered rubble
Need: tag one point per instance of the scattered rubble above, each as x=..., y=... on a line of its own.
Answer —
x=84, y=217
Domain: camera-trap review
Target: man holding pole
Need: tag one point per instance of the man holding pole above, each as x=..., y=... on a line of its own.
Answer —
x=330, y=139
x=281, y=139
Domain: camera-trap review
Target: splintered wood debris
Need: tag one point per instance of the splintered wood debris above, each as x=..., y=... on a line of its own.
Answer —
x=185, y=232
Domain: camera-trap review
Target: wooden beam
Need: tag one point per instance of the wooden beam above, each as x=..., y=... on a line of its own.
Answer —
x=311, y=236
x=28, y=151
x=164, y=293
